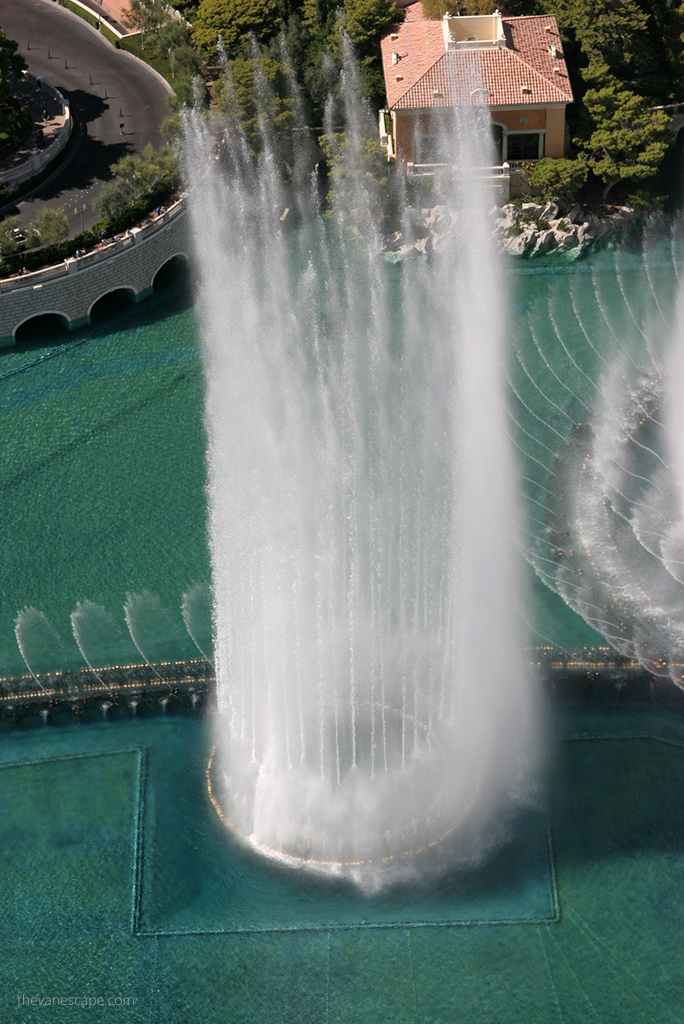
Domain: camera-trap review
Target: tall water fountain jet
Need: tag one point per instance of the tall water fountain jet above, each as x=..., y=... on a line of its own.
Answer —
x=375, y=708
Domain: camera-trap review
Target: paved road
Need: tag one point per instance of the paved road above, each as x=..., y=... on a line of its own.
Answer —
x=99, y=81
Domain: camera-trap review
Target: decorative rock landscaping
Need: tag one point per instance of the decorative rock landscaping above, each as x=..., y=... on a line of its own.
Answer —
x=528, y=229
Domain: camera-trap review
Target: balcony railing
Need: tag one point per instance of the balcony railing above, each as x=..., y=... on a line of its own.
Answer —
x=502, y=171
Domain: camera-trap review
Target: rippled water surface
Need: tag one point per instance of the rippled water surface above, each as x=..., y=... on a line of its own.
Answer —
x=102, y=455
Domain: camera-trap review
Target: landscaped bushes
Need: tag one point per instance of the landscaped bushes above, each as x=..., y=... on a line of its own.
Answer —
x=556, y=179
x=35, y=259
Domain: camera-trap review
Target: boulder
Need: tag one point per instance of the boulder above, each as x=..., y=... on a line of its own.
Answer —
x=566, y=239
x=441, y=243
x=416, y=223
x=516, y=245
x=508, y=216
x=438, y=220
x=535, y=209
x=575, y=214
x=545, y=240
x=596, y=227
x=584, y=235
x=393, y=241
x=550, y=211
x=521, y=244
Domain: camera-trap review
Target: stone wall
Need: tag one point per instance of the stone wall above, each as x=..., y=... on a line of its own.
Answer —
x=72, y=288
x=36, y=164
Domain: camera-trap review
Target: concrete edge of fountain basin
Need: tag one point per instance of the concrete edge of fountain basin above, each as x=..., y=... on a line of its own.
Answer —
x=566, y=229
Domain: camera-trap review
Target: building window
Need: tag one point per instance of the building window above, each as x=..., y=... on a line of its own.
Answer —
x=429, y=147
x=525, y=146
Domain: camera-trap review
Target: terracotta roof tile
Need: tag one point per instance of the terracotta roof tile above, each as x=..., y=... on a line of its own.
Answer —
x=423, y=74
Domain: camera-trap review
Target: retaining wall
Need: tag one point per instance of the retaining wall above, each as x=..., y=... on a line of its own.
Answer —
x=33, y=166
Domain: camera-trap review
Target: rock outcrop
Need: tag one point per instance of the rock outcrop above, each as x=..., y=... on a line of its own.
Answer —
x=526, y=229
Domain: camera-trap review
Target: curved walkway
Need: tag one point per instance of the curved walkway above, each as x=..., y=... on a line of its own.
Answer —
x=106, y=87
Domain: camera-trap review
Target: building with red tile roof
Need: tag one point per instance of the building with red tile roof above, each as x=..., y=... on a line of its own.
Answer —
x=514, y=66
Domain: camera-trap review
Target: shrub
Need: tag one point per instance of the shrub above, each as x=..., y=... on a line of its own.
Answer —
x=557, y=179
x=645, y=201
x=8, y=241
x=49, y=227
x=138, y=176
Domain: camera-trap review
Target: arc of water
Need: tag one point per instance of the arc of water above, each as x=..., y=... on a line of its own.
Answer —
x=20, y=644
x=567, y=351
x=76, y=632
x=185, y=612
x=543, y=394
x=640, y=329
x=552, y=371
x=131, y=629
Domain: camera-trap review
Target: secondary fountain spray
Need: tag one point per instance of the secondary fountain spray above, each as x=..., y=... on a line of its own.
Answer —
x=611, y=540
x=375, y=709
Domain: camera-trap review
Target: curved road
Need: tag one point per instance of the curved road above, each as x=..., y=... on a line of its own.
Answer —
x=99, y=81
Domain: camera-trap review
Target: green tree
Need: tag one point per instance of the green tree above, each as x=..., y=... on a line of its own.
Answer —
x=136, y=176
x=254, y=94
x=608, y=30
x=235, y=21
x=359, y=173
x=14, y=120
x=670, y=27
x=8, y=241
x=627, y=141
x=146, y=15
x=48, y=227
x=434, y=10
x=557, y=179
x=365, y=20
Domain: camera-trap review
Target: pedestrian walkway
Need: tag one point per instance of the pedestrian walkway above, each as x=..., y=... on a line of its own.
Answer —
x=48, y=118
x=111, y=12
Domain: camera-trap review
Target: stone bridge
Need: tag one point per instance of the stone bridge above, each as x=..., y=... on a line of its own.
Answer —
x=71, y=289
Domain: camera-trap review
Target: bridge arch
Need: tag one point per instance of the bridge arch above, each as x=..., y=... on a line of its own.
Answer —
x=172, y=260
x=127, y=290
x=42, y=320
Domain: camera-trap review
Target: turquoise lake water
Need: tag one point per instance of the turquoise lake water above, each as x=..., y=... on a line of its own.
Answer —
x=102, y=469
x=118, y=879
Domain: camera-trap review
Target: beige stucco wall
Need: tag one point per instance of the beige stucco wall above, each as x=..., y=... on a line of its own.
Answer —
x=548, y=119
x=535, y=119
x=555, y=132
x=402, y=125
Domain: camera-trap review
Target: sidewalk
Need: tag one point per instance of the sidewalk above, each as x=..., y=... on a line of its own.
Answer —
x=111, y=13
x=39, y=103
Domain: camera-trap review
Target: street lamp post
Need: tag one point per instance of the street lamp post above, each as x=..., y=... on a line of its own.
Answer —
x=99, y=15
